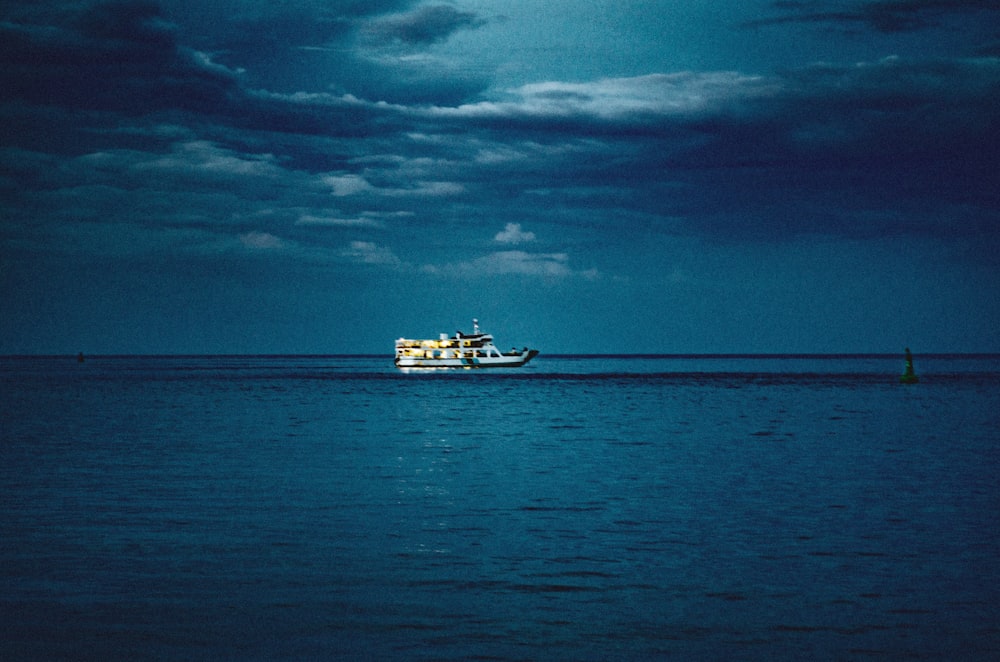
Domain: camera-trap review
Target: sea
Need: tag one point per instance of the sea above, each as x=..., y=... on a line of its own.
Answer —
x=581, y=508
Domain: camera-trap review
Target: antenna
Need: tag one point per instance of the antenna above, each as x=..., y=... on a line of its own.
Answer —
x=475, y=326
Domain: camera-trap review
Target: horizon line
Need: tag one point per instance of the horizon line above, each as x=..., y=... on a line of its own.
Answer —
x=560, y=355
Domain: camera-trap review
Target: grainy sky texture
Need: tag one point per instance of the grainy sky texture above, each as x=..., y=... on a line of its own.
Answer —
x=581, y=175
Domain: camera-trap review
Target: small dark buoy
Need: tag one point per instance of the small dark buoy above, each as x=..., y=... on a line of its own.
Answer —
x=908, y=376
x=79, y=357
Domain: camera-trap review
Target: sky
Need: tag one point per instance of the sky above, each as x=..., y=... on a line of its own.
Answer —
x=582, y=176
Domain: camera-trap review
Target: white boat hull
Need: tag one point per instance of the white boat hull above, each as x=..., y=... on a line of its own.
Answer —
x=509, y=360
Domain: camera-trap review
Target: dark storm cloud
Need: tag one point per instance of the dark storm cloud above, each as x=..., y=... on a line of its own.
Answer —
x=386, y=66
x=118, y=56
x=333, y=47
x=890, y=146
x=886, y=16
x=896, y=145
x=138, y=24
x=124, y=59
x=363, y=142
x=129, y=57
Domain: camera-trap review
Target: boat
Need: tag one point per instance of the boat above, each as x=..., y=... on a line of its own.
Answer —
x=475, y=350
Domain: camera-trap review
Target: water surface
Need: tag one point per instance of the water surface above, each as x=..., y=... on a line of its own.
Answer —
x=582, y=508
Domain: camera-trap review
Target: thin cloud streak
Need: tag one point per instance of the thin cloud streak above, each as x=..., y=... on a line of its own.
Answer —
x=514, y=262
x=887, y=16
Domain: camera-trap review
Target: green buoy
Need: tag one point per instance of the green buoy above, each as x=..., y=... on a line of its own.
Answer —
x=908, y=376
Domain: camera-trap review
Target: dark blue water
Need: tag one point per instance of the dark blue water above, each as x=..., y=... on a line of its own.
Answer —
x=261, y=508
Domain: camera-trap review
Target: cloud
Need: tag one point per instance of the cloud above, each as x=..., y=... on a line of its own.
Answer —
x=141, y=24
x=261, y=241
x=705, y=150
x=635, y=100
x=374, y=50
x=113, y=116
x=108, y=56
x=429, y=190
x=513, y=234
x=128, y=57
x=521, y=262
x=353, y=184
x=367, y=252
x=423, y=26
x=514, y=262
x=202, y=158
x=344, y=185
x=887, y=16
x=337, y=221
